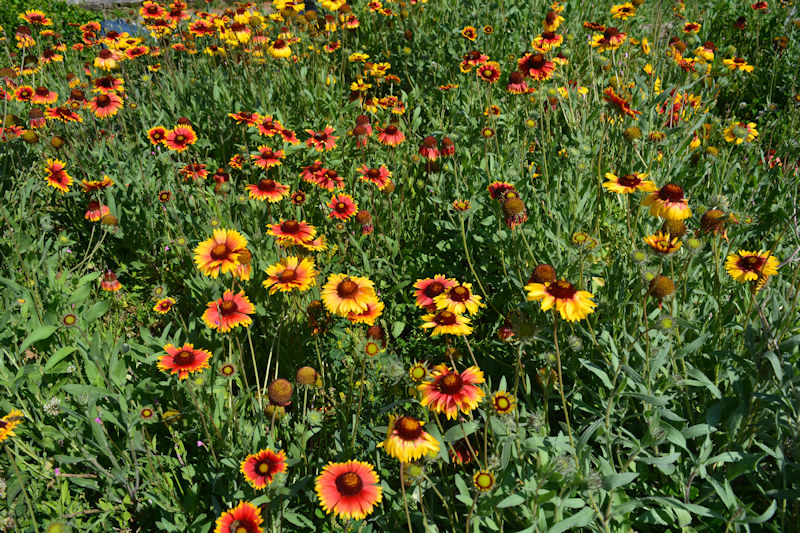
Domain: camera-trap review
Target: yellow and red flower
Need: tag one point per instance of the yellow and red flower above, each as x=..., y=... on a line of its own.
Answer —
x=268, y=189
x=184, y=360
x=663, y=243
x=260, y=468
x=619, y=103
x=180, y=138
x=407, y=441
x=267, y=158
x=164, y=305
x=95, y=211
x=9, y=422
x=751, y=266
x=34, y=16
x=244, y=518
x=343, y=294
x=536, y=67
x=610, y=39
x=380, y=176
x=450, y=392
x=105, y=105
x=342, y=206
x=369, y=315
x=220, y=253
x=571, y=303
x=349, y=490
x=321, y=140
x=292, y=231
x=390, y=135
x=289, y=274
x=157, y=135
x=459, y=299
x=228, y=312
x=43, y=95
x=57, y=176
x=446, y=322
x=429, y=288
x=629, y=183
x=489, y=71
x=739, y=132
x=668, y=202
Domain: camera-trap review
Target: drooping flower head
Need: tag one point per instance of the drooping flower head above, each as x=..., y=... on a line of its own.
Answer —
x=260, y=468
x=407, y=441
x=571, y=303
x=228, y=312
x=220, y=253
x=668, y=202
x=349, y=490
x=451, y=391
x=446, y=322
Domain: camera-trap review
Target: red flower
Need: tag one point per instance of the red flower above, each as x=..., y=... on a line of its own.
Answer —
x=184, y=360
x=259, y=469
x=228, y=312
x=342, y=207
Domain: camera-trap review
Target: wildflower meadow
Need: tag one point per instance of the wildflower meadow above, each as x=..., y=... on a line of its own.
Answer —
x=388, y=265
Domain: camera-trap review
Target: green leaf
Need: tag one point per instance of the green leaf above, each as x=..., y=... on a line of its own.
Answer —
x=580, y=519
x=36, y=335
x=455, y=433
x=58, y=357
x=397, y=328
x=511, y=500
x=97, y=310
x=615, y=481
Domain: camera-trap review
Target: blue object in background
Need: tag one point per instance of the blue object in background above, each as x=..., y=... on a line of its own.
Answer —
x=121, y=26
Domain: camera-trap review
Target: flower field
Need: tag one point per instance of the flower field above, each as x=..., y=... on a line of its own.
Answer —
x=389, y=265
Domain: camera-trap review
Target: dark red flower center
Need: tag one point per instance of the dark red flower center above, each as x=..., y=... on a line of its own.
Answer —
x=548, y=36
x=105, y=54
x=279, y=43
x=562, y=290
x=42, y=91
x=434, y=289
x=3, y=424
x=408, y=428
x=488, y=72
x=445, y=318
x=219, y=251
x=290, y=226
x=266, y=185
x=390, y=130
x=321, y=136
x=429, y=141
x=287, y=275
x=536, y=62
x=263, y=467
x=450, y=384
x=551, y=17
x=629, y=180
x=373, y=173
x=610, y=32
x=349, y=484
x=514, y=77
x=331, y=174
x=228, y=307
x=347, y=288
x=738, y=60
x=103, y=100
x=341, y=206
x=751, y=263
x=180, y=138
x=459, y=294
x=183, y=358
x=671, y=192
